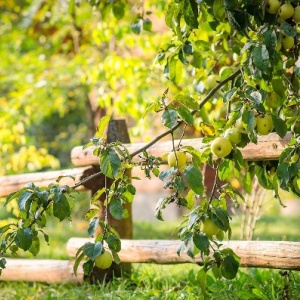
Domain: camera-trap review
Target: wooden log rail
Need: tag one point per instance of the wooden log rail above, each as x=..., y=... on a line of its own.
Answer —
x=41, y=270
x=260, y=254
x=13, y=183
x=268, y=147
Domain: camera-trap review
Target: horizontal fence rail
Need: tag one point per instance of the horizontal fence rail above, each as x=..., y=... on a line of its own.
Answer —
x=41, y=270
x=268, y=147
x=261, y=254
x=13, y=183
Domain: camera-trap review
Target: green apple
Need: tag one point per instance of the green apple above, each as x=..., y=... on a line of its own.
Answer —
x=209, y=227
x=104, y=260
x=264, y=124
x=295, y=157
x=273, y=100
x=212, y=81
x=181, y=157
x=296, y=15
x=287, y=41
x=285, y=11
x=273, y=6
x=220, y=147
x=233, y=135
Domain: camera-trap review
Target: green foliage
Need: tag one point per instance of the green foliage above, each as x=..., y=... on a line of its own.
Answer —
x=208, y=36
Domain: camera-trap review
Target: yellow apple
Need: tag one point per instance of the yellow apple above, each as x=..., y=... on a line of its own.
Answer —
x=285, y=11
x=209, y=227
x=272, y=6
x=233, y=135
x=296, y=15
x=181, y=157
x=212, y=81
x=264, y=124
x=287, y=41
x=104, y=260
x=220, y=147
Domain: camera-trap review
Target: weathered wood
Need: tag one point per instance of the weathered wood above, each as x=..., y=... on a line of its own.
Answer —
x=261, y=254
x=41, y=270
x=13, y=183
x=268, y=147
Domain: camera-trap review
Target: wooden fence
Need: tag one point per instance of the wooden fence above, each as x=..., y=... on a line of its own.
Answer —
x=277, y=254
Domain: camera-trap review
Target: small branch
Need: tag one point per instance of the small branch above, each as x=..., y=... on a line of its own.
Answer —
x=171, y=130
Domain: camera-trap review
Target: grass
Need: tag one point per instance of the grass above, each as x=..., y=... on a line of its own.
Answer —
x=150, y=281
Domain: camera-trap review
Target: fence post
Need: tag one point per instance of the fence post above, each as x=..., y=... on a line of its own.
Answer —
x=117, y=131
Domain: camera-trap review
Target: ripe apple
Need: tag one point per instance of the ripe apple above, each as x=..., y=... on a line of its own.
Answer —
x=264, y=124
x=233, y=135
x=209, y=227
x=220, y=147
x=104, y=260
x=212, y=81
x=272, y=6
x=285, y=11
x=296, y=15
x=287, y=41
x=181, y=157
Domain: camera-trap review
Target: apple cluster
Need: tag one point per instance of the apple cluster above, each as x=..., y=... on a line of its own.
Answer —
x=285, y=12
x=222, y=145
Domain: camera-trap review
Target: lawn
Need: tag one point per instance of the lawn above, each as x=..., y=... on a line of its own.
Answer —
x=150, y=281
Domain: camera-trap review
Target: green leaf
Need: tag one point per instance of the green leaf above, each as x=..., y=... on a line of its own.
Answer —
x=185, y=115
x=188, y=101
x=61, y=208
x=92, y=250
x=161, y=204
x=116, y=209
x=88, y=267
x=118, y=9
x=219, y=10
x=169, y=118
x=71, y=7
x=147, y=24
x=174, y=69
x=225, y=169
x=202, y=279
x=201, y=241
x=23, y=238
x=23, y=199
x=220, y=218
x=283, y=175
x=248, y=119
x=2, y=263
x=110, y=163
x=260, y=56
x=229, y=94
x=262, y=177
x=229, y=267
x=113, y=242
x=77, y=262
x=194, y=179
x=279, y=125
x=94, y=223
x=278, y=86
x=190, y=13
x=137, y=26
x=35, y=246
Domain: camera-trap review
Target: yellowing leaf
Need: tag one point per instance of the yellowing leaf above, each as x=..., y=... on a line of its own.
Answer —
x=207, y=129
